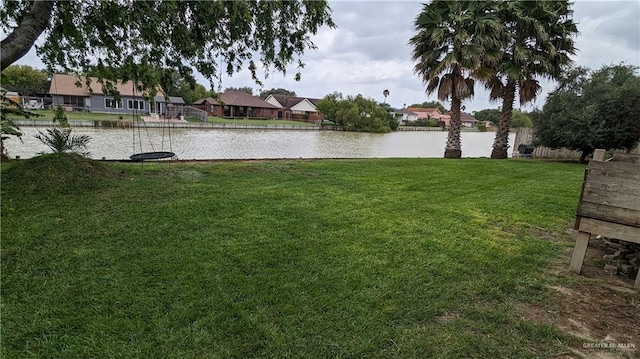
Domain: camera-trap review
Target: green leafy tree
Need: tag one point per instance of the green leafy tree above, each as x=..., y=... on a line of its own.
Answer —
x=590, y=110
x=245, y=89
x=179, y=83
x=536, y=41
x=386, y=106
x=491, y=115
x=393, y=121
x=193, y=92
x=355, y=113
x=138, y=37
x=276, y=91
x=520, y=119
x=393, y=116
x=60, y=117
x=450, y=48
x=25, y=80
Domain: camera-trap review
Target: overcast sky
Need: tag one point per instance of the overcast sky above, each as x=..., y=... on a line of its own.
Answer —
x=368, y=52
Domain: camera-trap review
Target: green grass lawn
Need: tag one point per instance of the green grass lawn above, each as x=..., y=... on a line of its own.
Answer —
x=380, y=258
x=214, y=119
x=79, y=115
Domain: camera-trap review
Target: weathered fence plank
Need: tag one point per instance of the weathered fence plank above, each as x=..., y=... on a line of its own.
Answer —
x=609, y=229
x=613, y=170
x=609, y=213
x=613, y=184
x=609, y=205
x=610, y=198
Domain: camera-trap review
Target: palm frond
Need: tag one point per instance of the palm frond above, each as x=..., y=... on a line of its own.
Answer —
x=528, y=90
x=433, y=85
x=60, y=140
x=496, y=87
x=446, y=87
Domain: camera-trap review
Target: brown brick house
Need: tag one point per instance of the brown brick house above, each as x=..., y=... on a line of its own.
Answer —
x=429, y=113
x=296, y=108
x=234, y=103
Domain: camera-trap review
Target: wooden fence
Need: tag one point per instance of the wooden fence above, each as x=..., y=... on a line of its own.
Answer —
x=609, y=204
x=525, y=135
x=187, y=112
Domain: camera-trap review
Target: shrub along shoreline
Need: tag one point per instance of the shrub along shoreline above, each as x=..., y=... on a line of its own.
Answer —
x=328, y=258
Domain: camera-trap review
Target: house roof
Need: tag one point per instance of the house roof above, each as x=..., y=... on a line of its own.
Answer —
x=465, y=117
x=62, y=84
x=290, y=101
x=237, y=98
x=176, y=99
x=9, y=93
x=407, y=112
x=171, y=99
x=427, y=112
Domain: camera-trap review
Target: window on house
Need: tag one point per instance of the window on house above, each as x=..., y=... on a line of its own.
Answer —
x=75, y=101
x=112, y=103
x=135, y=104
x=297, y=112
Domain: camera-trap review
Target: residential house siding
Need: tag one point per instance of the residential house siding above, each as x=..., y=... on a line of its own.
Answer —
x=235, y=104
x=296, y=108
x=65, y=92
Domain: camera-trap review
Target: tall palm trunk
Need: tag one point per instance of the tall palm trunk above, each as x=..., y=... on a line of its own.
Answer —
x=453, y=148
x=501, y=142
x=3, y=155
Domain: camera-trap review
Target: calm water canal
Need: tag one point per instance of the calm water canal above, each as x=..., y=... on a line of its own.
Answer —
x=116, y=144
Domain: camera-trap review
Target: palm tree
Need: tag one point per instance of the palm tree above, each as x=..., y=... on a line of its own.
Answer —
x=60, y=140
x=537, y=43
x=385, y=93
x=455, y=42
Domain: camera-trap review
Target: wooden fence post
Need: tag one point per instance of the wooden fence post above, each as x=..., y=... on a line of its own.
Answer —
x=580, y=249
x=598, y=155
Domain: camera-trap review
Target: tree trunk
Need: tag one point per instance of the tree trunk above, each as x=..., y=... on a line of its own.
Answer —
x=501, y=141
x=454, y=148
x=3, y=154
x=20, y=41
